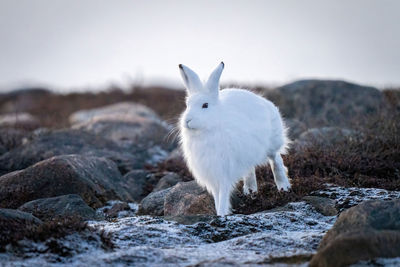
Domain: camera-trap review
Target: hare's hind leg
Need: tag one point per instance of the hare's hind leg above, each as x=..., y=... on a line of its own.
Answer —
x=250, y=183
x=215, y=193
x=280, y=172
x=224, y=203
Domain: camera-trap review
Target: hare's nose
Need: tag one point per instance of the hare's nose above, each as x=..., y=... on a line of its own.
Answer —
x=187, y=122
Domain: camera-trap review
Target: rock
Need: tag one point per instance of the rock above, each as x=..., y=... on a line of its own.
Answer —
x=116, y=208
x=139, y=183
x=95, y=179
x=325, y=206
x=325, y=136
x=19, y=120
x=153, y=204
x=145, y=133
x=141, y=131
x=367, y=231
x=169, y=180
x=347, y=197
x=125, y=123
x=123, y=111
x=14, y=223
x=328, y=103
x=62, y=206
x=16, y=216
x=188, y=198
x=63, y=142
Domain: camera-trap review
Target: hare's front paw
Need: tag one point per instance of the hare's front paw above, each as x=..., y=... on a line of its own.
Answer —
x=247, y=190
x=283, y=185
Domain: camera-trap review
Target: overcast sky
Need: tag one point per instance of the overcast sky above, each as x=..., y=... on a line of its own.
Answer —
x=80, y=43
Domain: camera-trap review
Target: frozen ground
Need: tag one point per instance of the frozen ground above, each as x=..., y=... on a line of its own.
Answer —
x=289, y=235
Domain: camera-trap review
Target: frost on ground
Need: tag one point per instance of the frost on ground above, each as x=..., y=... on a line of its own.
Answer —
x=393, y=262
x=348, y=197
x=287, y=235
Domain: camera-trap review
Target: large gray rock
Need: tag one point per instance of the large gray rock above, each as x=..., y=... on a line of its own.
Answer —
x=125, y=123
x=328, y=103
x=188, y=198
x=124, y=110
x=367, y=231
x=63, y=142
x=62, y=206
x=95, y=179
x=153, y=204
x=325, y=136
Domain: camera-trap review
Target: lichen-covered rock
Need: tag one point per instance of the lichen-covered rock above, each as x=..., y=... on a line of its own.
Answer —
x=367, y=231
x=62, y=206
x=64, y=142
x=153, y=204
x=188, y=198
x=328, y=103
x=95, y=179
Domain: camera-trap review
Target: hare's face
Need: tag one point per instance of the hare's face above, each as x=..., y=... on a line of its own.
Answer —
x=200, y=113
x=202, y=104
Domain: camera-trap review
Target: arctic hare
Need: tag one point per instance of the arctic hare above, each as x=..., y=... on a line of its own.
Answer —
x=225, y=134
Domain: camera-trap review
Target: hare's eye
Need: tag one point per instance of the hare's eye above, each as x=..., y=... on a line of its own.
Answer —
x=205, y=105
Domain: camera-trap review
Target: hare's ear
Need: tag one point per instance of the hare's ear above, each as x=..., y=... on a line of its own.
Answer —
x=191, y=80
x=213, y=81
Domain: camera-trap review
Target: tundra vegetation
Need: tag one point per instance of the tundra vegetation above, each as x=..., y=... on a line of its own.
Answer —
x=97, y=178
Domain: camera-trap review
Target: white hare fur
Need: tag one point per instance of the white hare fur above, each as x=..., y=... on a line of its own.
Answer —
x=225, y=134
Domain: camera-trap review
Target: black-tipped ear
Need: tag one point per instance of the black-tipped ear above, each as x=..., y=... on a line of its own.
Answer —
x=213, y=81
x=191, y=79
